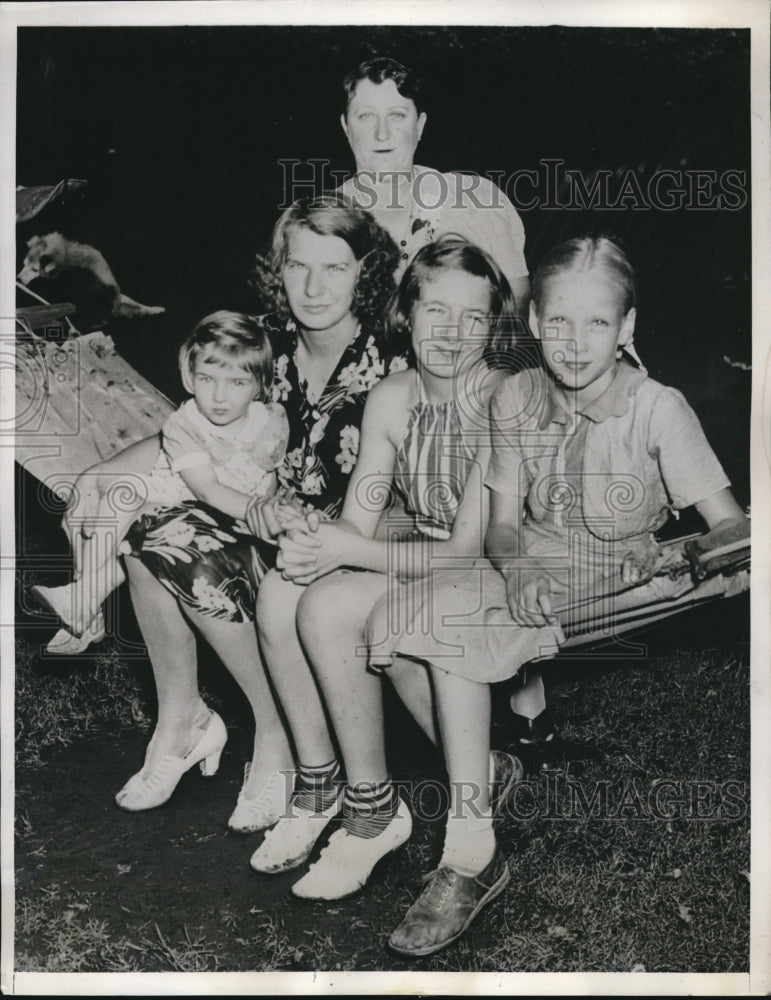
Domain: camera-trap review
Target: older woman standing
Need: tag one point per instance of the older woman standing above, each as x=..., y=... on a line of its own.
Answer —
x=330, y=274
x=383, y=120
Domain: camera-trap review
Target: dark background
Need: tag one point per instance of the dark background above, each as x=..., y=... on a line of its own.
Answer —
x=179, y=132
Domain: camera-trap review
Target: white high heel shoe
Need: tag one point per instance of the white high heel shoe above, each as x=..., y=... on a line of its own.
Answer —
x=65, y=643
x=146, y=793
x=267, y=807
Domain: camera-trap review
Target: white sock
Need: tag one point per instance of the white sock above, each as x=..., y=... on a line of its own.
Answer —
x=469, y=843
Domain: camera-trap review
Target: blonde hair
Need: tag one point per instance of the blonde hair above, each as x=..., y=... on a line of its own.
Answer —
x=237, y=339
x=584, y=254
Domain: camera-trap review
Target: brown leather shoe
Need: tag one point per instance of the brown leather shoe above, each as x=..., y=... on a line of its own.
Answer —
x=447, y=906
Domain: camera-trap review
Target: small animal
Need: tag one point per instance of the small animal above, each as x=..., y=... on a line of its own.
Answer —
x=55, y=256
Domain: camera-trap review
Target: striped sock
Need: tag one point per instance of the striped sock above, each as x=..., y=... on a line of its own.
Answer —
x=368, y=808
x=317, y=788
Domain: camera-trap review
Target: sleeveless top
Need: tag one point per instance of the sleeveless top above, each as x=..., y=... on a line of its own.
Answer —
x=432, y=465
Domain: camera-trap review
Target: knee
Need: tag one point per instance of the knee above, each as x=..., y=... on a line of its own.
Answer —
x=402, y=671
x=316, y=612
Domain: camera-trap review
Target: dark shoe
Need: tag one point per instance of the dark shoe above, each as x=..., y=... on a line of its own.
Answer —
x=507, y=771
x=447, y=906
x=532, y=732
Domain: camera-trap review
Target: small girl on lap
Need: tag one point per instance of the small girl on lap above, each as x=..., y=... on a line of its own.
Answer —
x=221, y=447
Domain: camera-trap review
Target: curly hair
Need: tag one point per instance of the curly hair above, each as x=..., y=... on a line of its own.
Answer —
x=454, y=253
x=378, y=70
x=333, y=215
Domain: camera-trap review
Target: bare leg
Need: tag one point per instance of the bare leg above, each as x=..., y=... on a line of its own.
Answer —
x=331, y=620
x=171, y=647
x=411, y=682
x=236, y=645
x=529, y=700
x=289, y=669
x=463, y=707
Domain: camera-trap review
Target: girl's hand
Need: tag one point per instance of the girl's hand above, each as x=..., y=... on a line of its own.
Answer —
x=293, y=513
x=306, y=555
x=632, y=569
x=531, y=598
x=261, y=518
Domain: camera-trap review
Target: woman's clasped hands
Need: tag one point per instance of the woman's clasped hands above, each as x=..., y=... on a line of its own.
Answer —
x=312, y=549
x=308, y=547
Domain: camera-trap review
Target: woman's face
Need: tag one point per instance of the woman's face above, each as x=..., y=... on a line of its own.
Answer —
x=319, y=277
x=382, y=127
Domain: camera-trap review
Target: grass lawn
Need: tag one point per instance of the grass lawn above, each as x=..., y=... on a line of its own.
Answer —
x=630, y=850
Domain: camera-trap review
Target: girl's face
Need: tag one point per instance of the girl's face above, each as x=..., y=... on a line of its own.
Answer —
x=382, y=127
x=581, y=326
x=451, y=322
x=319, y=276
x=222, y=390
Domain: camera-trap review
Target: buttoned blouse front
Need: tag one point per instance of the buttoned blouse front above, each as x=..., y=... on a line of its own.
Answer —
x=614, y=469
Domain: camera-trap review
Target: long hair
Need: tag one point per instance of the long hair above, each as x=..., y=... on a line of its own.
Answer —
x=582, y=254
x=333, y=215
x=454, y=253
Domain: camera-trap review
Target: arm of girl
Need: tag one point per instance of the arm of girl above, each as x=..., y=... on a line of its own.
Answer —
x=341, y=544
x=203, y=484
x=268, y=516
x=720, y=510
x=691, y=472
x=351, y=541
x=530, y=592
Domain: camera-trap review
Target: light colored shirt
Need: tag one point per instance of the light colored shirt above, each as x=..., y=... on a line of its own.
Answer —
x=468, y=205
x=243, y=455
x=620, y=465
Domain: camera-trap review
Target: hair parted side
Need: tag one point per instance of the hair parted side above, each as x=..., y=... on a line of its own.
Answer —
x=230, y=338
x=333, y=215
x=454, y=253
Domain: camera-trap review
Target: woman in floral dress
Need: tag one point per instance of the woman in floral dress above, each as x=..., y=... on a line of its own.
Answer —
x=329, y=275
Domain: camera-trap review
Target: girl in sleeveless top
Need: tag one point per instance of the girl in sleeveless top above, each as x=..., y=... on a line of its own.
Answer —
x=419, y=479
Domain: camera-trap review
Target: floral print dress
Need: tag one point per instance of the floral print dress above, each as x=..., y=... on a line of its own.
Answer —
x=208, y=560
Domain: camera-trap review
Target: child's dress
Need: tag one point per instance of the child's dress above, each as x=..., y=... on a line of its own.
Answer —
x=183, y=542
x=243, y=457
x=595, y=486
x=431, y=468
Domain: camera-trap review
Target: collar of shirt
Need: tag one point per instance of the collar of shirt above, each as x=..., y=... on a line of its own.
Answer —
x=289, y=337
x=614, y=402
x=255, y=416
